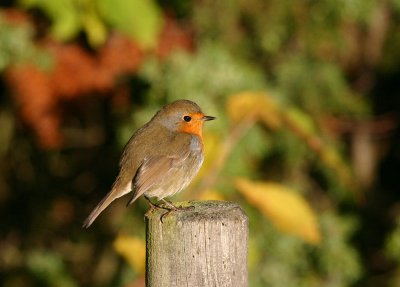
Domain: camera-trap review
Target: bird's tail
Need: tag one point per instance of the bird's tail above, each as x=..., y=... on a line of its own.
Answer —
x=98, y=209
x=110, y=197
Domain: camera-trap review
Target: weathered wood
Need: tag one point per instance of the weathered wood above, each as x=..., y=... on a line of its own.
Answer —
x=204, y=246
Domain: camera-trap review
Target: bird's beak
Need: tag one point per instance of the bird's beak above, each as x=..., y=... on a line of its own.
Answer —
x=208, y=118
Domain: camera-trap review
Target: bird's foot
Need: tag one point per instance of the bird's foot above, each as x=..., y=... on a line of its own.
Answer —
x=168, y=206
x=172, y=207
x=154, y=205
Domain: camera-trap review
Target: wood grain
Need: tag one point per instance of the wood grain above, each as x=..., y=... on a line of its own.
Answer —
x=202, y=246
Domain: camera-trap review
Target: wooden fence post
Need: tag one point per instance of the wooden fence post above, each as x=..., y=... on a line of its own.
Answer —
x=204, y=246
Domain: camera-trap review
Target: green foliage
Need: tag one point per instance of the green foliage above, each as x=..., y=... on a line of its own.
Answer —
x=49, y=269
x=209, y=75
x=392, y=250
x=140, y=20
x=63, y=13
x=16, y=46
x=393, y=243
x=329, y=91
x=288, y=261
x=337, y=258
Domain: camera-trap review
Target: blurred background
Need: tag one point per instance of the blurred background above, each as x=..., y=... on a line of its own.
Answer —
x=307, y=140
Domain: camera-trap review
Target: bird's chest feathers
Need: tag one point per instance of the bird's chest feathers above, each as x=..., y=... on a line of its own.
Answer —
x=196, y=145
x=191, y=153
x=183, y=143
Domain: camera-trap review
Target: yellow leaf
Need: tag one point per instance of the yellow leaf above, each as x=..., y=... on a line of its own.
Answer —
x=257, y=104
x=133, y=250
x=286, y=209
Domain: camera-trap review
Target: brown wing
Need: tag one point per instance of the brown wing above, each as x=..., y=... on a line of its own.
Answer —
x=152, y=171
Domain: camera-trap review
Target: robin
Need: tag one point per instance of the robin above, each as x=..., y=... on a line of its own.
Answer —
x=161, y=158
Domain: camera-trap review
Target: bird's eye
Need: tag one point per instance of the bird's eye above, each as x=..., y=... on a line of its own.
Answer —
x=187, y=118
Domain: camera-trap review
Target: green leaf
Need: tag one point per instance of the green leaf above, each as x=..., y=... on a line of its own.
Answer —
x=142, y=20
x=63, y=13
x=93, y=25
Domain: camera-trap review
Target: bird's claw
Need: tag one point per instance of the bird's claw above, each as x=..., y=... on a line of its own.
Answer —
x=175, y=208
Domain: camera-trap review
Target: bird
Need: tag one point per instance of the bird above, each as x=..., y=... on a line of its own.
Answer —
x=161, y=158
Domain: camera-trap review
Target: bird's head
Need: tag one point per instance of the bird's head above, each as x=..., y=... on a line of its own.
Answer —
x=183, y=116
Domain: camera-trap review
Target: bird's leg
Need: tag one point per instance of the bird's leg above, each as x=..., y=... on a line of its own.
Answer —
x=171, y=208
x=174, y=207
x=153, y=205
x=170, y=204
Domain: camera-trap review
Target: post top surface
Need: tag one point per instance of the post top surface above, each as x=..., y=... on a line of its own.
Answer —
x=202, y=210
